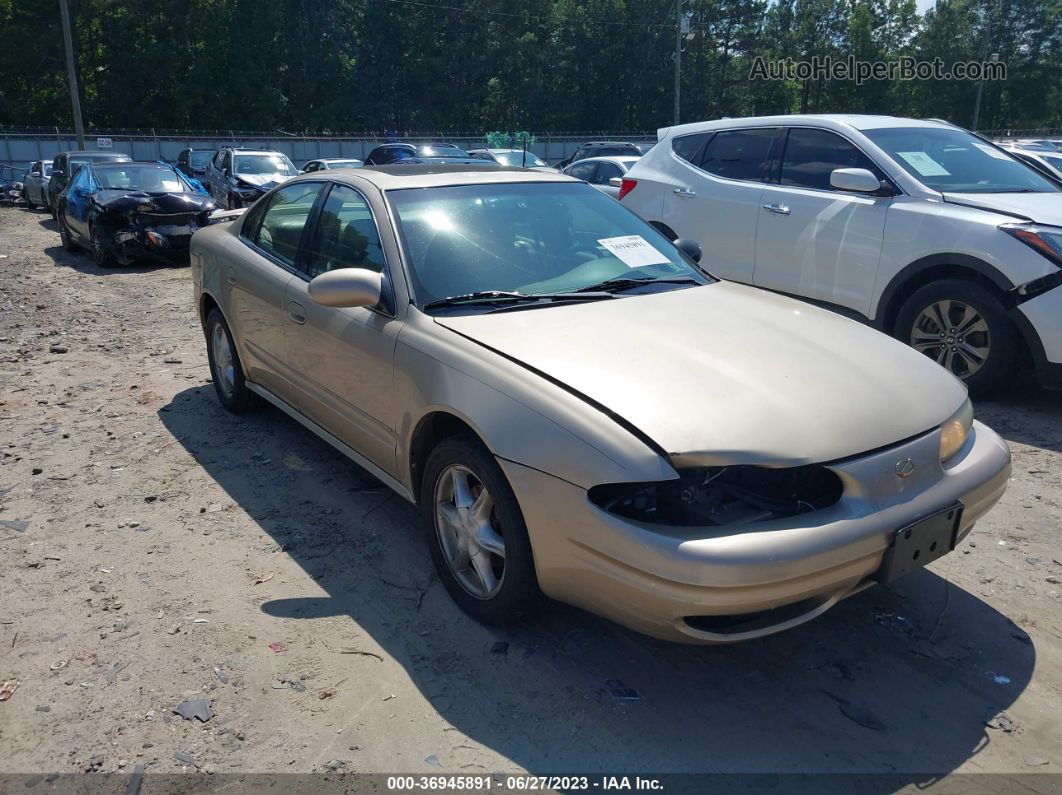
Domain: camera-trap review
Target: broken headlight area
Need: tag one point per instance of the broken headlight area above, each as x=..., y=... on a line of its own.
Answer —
x=730, y=495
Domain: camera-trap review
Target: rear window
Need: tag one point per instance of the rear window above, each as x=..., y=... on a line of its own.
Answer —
x=688, y=147
x=616, y=151
x=739, y=154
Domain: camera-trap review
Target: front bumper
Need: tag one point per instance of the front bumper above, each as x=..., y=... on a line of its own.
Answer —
x=725, y=584
x=165, y=242
x=1040, y=321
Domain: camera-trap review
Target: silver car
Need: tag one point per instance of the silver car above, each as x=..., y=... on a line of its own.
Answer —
x=579, y=410
x=35, y=185
x=604, y=173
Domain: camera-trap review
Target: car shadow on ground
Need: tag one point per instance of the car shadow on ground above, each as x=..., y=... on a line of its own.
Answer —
x=1026, y=413
x=898, y=680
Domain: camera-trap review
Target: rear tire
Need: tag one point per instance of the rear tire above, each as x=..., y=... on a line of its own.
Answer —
x=471, y=515
x=964, y=328
x=226, y=369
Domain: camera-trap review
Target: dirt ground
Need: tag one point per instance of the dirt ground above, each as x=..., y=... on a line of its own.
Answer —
x=171, y=551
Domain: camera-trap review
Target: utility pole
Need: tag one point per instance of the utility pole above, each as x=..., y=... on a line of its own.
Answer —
x=678, y=58
x=71, y=75
x=984, y=54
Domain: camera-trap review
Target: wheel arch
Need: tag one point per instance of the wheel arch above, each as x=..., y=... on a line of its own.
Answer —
x=431, y=429
x=664, y=229
x=933, y=268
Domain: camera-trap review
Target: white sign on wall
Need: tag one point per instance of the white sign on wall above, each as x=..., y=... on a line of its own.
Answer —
x=104, y=143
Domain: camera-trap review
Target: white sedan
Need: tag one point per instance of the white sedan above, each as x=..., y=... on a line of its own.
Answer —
x=600, y=171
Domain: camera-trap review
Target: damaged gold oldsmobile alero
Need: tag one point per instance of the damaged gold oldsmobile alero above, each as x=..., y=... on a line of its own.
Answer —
x=128, y=211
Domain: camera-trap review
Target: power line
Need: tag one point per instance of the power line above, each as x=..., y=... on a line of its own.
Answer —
x=517, y=15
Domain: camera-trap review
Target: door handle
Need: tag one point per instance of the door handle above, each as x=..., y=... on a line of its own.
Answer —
x=685, y=193
x=296, y=313
x=781, y=209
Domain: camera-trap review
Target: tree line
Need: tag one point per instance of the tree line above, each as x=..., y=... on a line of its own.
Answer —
x=544, y=65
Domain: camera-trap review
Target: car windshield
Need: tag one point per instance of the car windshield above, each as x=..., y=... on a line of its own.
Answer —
x=517, y=159
x=533, y=239
x=264, y=164
x=140, y=176
x=953, y=161
x=344, y=164
x=435, y=150
x=199, y=159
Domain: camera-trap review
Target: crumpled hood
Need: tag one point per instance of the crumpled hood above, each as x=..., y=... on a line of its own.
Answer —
x=155, y=203
x=264, y=181
x=730, y=374
x=1044, y=208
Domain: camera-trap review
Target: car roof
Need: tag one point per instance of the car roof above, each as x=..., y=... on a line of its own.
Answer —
x=826, y=120
x=334, y=159
x=427, y=175
x=254, y=151
x=93, y=153
x=608, y=143
x=127, y=163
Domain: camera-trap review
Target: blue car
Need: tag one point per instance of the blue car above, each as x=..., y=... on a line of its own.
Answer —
x=127, y=211
x=409, y=154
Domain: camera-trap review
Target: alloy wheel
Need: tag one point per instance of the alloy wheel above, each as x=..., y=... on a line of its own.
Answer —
x=224, y=366
x=469, y=532
x=954, y=334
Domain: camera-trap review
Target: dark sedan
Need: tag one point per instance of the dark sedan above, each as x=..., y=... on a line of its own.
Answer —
x=128, y=211
x=410, y=154
x=66, y=165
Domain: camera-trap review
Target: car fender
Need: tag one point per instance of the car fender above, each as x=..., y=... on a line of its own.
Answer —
x=519, y=415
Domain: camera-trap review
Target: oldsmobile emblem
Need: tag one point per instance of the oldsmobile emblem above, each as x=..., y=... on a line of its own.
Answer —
x=905, y=467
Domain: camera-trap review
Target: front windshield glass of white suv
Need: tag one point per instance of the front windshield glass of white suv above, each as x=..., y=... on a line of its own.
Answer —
x=264, y=164
x=953, y=161
x=531, y=240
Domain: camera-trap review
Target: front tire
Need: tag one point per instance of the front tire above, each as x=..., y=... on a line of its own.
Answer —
x=29, y=202
x=964, y=328
x=476, y=533
x=102, y=250
x=66, y=238
x=226, y=370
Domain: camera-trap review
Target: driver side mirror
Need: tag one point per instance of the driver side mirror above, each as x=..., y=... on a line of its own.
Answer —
x=691, y=248
x=854, y=180
x=347, y=287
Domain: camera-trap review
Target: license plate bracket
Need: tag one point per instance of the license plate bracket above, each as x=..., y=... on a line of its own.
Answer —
x=921, y=542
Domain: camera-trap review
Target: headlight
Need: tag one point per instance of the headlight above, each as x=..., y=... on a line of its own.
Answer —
x=1047, y=240
x=954, y=430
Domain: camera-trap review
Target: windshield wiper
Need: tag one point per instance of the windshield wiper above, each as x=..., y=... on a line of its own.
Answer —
x=621, y=283
x=491, y=297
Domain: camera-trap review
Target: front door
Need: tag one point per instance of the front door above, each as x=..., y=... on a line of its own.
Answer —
x=815, y=241
x=257, y=280
x=345, y=356
x=714, y=198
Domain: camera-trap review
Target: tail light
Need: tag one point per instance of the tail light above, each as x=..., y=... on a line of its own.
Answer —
x=626, y=186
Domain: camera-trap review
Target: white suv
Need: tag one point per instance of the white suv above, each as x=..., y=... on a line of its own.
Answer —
x=926, y=231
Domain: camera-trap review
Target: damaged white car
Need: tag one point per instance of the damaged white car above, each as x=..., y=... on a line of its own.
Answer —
x=580, y=410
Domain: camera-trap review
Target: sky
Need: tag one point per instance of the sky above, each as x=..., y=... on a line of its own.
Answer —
x=924, y=5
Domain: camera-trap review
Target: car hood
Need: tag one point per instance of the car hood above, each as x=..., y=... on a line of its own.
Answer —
x=262, y=180
x=1044, y=208
x=726, y=374
x=154, y=203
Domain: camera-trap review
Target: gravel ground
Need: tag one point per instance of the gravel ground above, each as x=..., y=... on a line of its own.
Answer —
x=171, y=551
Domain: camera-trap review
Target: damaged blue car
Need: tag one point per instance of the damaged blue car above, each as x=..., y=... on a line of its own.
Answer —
x=124, y=212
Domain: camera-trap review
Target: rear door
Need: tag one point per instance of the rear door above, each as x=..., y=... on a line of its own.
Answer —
x=714, y=198
x=344, y=357
x=32, y=185
x=813, y=240
x=257, y=280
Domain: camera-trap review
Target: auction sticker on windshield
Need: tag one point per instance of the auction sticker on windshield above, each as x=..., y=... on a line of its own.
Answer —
x=924, y=164
x=634, y=251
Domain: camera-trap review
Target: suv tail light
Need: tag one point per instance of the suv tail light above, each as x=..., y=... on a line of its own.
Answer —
x=626, y=186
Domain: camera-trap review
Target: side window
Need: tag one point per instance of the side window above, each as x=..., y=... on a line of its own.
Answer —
x=688, y=147
x=310, y=167
x=739, y=154
x=217, y=159
x=226, y=161
x=36, y=168
x=285, y=218
x=583, y=171
x=605, y=172
x=810, y=156
x=346, y=235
